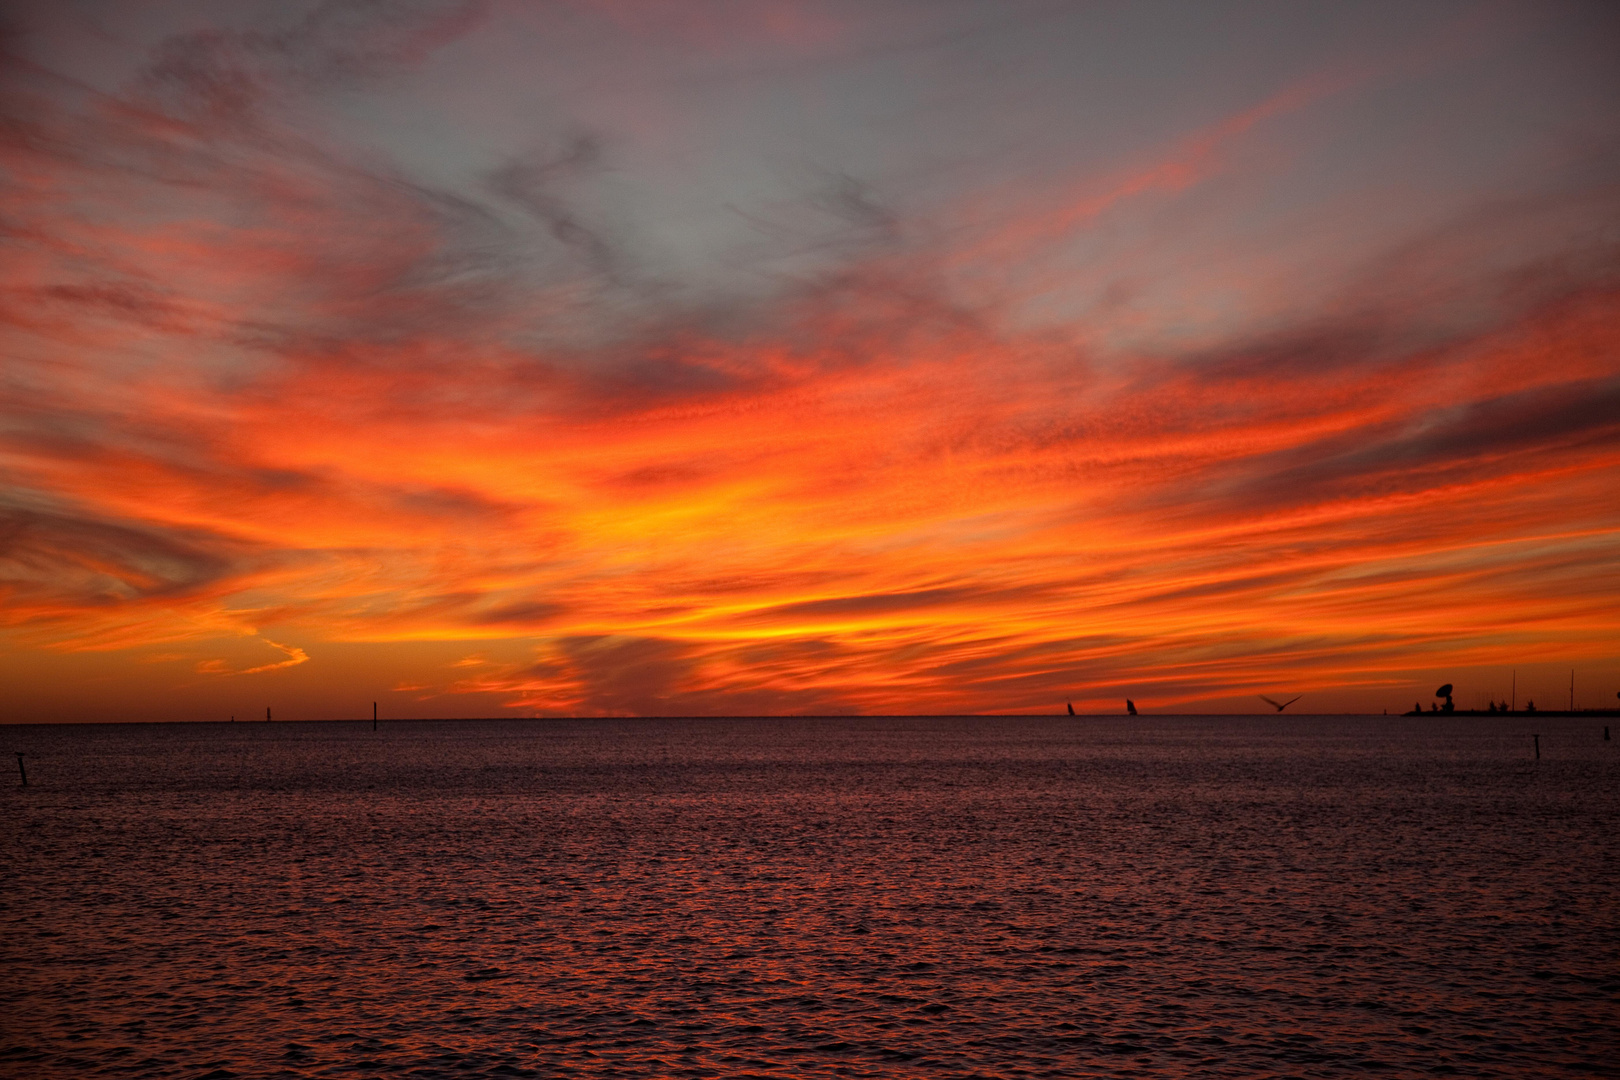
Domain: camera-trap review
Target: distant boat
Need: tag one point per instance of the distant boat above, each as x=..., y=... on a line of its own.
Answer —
x=1071, y=708
x=1283, y=705
x=1130, y=706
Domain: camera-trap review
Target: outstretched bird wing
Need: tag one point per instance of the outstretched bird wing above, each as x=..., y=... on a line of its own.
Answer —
x=1279, y=705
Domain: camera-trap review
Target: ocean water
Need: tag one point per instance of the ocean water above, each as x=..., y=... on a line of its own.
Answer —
x=1168, y=896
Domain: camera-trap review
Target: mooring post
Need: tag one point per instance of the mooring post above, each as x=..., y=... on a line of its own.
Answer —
x=1538, y=746
x=267, y=714
x=373, y=716
x=20, y=768
x=1605, y=732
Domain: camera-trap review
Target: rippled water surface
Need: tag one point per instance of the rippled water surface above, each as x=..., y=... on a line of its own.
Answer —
x=1305, y=896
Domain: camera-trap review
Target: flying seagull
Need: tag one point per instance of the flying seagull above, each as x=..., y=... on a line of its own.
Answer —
x=1280, y=706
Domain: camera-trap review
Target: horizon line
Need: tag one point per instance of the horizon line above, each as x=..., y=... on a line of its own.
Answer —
x=1471, y=713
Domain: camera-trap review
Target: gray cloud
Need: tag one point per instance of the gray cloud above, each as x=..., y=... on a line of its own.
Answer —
x=221, y=77
x=1498, y=434
x=533, y=183
x=50, y=557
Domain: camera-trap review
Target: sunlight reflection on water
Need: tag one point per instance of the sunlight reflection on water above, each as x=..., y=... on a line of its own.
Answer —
x=1313, y=896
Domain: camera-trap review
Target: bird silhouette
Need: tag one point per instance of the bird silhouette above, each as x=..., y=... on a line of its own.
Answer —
x=1280, y=706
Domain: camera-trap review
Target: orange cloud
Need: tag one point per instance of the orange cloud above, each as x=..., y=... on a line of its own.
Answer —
x=918, y=534
x=295, y=656
x=316, y=402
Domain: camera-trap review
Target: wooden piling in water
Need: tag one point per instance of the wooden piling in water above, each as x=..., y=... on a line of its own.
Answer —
x=373, y=716
x=1538, y=746
x=20, y=769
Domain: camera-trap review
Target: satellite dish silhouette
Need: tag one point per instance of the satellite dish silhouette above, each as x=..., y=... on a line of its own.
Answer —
x=1444, y=691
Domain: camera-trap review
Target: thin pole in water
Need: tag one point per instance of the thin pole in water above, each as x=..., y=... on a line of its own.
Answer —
x=267, y=714
x=1538, y=746
x=20, y=768
x=373, y=716
x=1515, y=706
x=1571, y=689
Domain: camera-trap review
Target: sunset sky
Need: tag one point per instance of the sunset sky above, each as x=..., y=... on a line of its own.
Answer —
x=677, y=357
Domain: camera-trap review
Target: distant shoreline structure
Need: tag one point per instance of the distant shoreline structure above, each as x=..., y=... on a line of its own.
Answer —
x=1514, y=712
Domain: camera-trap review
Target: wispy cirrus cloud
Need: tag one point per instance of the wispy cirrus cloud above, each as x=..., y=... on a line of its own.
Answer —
x=294, y=654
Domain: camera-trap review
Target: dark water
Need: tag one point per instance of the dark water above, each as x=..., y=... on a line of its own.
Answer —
x=979, y=897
